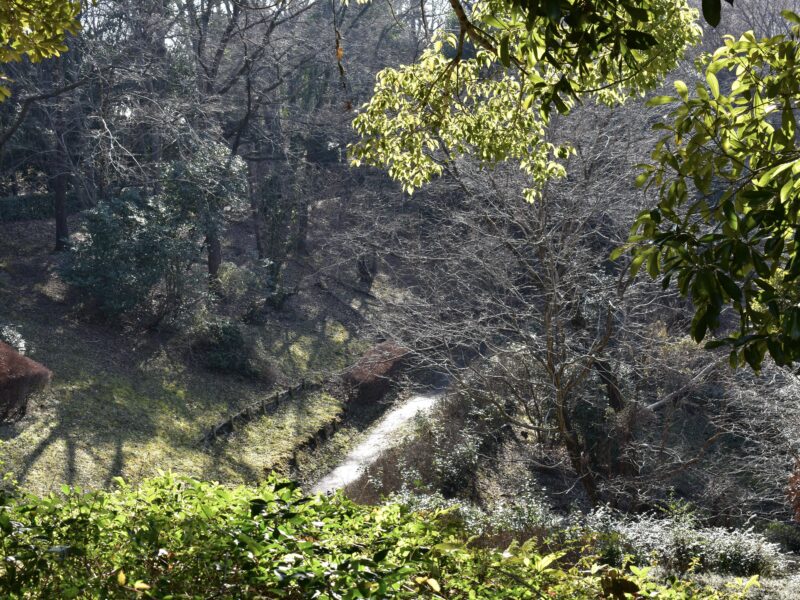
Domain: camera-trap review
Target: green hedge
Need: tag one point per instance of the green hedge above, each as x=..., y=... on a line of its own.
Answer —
x=176, y=537
x=34, y=207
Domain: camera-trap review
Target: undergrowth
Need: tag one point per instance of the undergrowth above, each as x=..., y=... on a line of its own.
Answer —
x=177, y=537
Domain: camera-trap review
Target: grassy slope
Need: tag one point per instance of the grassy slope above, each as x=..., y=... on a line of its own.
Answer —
x=129, y=407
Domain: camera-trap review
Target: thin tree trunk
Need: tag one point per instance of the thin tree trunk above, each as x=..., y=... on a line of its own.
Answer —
x=608, y=378
x=253, y=180
x=577, y=457
x=367, y=267
x=214, y=256
x=60, y=206
x=301, y=234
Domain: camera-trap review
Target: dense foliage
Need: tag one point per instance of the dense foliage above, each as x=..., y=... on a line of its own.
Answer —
x=223, y=348
x=177, y=537
x=727, y=177
x=208, y=130
x=34, y=29
x=494, y=101
x=135, y=251
x=138, y=248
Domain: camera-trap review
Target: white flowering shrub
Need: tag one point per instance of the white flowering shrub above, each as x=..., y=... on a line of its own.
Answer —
x=526, y=512
x=455, y=463
x=678, y=543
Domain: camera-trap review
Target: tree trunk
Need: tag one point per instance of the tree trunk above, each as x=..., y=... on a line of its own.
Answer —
x=214, y=256
x=608, y=378
x=367, y=267
x=301, y=233
x=253, y=188
x=577, y=455
x=60, y=206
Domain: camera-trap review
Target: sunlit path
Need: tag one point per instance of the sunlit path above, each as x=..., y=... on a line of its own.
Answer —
x=380, y=438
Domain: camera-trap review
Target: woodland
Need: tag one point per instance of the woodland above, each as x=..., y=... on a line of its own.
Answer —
x=397, y=299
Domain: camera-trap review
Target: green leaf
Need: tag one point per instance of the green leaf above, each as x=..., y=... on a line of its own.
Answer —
x=754, y=355
x=760, y=264
x=730, y=287
x=712, y=11
x=639, y=40
x=713, y=84
x=505, y=56
x=786, y=190
x=561, y=106
x=616, y=253
x=5, y=522
x=553, y=10
x=636, y=263
x=653, y=265
x=790, y=16
x=381, y=555
x=660, y=100
x=641, y=179
x=699, y=325
x=776, y=351
x=638, y=13
x=493, y=21
x=791, y=324
x=434, y=585
x=714, y=344
x=682, y=90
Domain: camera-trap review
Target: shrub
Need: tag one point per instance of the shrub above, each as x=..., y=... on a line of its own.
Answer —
x=678, y=544
x=137, y=250
x=526, y=512
x=237, y=283
x=134, y=254
x=181, y=538
x=785, y=534
x=222, y=347
x=455, y=463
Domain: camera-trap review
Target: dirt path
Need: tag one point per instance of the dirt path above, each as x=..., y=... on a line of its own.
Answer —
x=381, y=437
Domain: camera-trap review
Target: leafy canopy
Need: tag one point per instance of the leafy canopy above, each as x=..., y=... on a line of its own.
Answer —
x=727, y=175
x=488, y=91
x=581, y=12
x=36, y=29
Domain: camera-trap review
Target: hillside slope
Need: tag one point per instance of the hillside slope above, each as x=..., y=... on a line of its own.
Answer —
x=130, y=403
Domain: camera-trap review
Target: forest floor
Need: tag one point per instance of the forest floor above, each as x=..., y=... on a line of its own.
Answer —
x=125, y=404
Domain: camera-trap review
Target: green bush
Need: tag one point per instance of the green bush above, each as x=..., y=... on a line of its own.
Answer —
x=181, y=538
x=222, y=347
x=133, y=254
x=237, y=283
x=137, y=249
x=34, y=207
